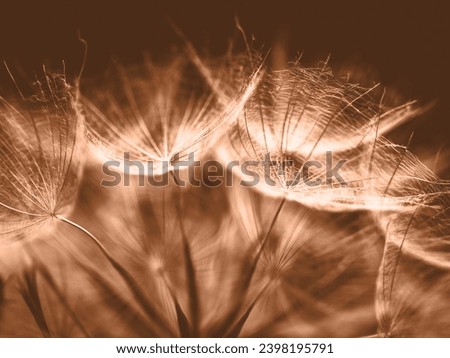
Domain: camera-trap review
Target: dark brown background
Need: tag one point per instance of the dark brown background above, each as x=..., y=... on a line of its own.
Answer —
x=403, y=44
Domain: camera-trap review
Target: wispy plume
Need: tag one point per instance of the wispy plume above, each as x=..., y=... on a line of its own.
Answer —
x=41, y=144
x=158, y=113
x=344, y=234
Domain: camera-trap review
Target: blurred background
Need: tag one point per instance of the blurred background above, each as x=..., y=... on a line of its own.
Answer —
x=402, y=44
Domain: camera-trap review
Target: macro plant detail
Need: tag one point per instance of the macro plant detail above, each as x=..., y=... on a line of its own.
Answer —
x=42, y=142
x=366, y=256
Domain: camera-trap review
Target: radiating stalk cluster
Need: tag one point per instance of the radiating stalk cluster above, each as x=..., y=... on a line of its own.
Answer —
x=297, y=253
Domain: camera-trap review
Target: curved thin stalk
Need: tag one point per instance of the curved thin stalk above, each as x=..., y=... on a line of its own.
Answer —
x=138, y=294
x=194, y=305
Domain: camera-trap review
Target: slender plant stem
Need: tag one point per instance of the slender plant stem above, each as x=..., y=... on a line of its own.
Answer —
x=194, y=305
x=248, y=274
x=128, y=279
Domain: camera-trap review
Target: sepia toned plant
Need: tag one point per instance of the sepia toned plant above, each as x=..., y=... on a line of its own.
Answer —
x=158, y=114
x=42, y=147
x=328, y=228
x=41, y=144
x=304, y=125
x=415, y=262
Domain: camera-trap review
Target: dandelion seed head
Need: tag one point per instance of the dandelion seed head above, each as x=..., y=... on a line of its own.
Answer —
x=41, y=151
x=158, y=113
x=298, y=115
